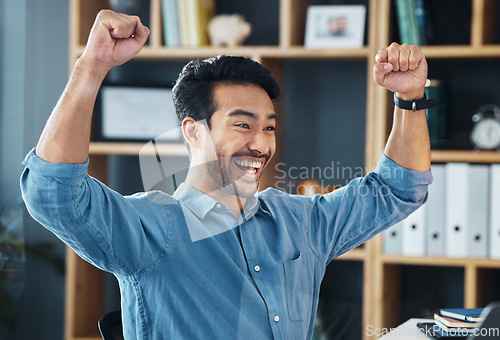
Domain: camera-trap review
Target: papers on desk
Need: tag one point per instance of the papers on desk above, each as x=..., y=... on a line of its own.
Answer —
x=458, y=220
x=423, y=329
x=449, y=323
x=463, y=314
x=457, y=321
x=433, y=331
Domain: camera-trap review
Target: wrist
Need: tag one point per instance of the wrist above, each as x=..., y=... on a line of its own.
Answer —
x=416, y=104
x=411, y=95
x=91, y=70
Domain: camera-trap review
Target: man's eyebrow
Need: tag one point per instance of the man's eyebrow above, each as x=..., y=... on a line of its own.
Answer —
x=250, y=114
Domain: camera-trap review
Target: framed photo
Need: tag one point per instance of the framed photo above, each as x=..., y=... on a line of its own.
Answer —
x=138, y=113
x=335, y=26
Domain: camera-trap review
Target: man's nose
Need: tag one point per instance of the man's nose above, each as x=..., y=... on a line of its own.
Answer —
x=259, y=142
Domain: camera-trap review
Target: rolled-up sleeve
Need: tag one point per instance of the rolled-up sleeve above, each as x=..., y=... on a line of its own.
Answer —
x=353, y=214
x=407, y=185
x=102, y=226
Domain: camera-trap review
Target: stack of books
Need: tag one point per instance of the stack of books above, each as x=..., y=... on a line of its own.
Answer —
x=185, y=22
x=458, y=321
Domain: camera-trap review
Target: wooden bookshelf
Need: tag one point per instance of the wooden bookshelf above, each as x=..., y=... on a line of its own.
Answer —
x=386, y=272
x=381, y=273
x=135, y=149
x=440, y=261
x=357, y=254
x=444, y=156
x=454, y=52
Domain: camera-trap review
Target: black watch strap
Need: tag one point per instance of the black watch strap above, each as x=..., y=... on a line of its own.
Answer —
x=415, y=105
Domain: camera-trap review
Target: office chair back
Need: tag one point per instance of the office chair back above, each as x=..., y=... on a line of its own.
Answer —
x=110, y=326
x=490, y=327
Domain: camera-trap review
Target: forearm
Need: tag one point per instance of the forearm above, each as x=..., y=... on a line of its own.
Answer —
x=66, y=136
x=114, y=39
x=408, y=144
x=403, y=69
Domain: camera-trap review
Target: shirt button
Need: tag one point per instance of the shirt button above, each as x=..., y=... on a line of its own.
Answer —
x=276, y=318
x=256, y=268
x=218, y=205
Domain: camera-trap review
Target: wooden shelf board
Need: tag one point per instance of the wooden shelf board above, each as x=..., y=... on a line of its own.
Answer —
x=440, y=261
x=487, y=263
x=117, y=148
x=299, y=52
x=438, y=52
x=356, y=254
x=443, y=156
x=461, y=51
x=296, y=52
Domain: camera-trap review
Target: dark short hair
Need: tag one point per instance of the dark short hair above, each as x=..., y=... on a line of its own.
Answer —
x=193, y=90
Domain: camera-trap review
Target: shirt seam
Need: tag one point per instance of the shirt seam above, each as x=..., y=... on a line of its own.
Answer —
x=103, y=244
x=135, y=280
x=362, y=230
x=307, y=232
x=149, y=268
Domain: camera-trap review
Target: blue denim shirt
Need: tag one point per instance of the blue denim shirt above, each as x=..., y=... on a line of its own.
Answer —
x=255, y=280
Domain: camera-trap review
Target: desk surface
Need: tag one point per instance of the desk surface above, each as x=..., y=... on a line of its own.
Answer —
x=407, y=331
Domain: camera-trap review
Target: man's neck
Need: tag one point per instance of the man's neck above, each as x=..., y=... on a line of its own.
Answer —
x=223, y=195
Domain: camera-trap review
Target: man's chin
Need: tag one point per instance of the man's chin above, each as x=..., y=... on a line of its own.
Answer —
x=244, y=188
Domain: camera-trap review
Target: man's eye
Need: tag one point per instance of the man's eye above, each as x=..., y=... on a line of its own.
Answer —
x=243, y=125
x=270, y=128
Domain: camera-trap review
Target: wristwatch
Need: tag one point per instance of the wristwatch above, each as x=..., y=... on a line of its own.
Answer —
x=415, y=105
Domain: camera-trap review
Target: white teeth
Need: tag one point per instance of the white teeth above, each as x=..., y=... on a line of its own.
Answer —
x=246, y=163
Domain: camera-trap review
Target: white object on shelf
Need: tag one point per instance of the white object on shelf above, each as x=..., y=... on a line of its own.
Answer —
x=228, y=30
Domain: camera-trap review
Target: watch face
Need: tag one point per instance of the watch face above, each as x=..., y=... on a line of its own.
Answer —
x=486, y=134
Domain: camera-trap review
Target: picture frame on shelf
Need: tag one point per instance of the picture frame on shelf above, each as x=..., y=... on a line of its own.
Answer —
x=335, y=26
x=137, y=113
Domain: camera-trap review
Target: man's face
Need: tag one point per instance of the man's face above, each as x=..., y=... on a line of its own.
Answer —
x=242, y=132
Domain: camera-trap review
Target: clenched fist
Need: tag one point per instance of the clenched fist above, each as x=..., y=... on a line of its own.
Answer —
x=401, y=69
x=114, y=39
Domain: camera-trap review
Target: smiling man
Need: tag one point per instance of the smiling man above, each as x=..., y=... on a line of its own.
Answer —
x=217, y=260
x=238, y=140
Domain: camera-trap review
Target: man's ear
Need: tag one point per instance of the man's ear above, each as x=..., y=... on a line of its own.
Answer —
x=191, y=131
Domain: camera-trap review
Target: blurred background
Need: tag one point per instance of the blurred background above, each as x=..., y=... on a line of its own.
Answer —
x=33, y=73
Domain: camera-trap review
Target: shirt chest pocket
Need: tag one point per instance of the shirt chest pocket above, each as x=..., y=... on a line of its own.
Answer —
x=299, y=289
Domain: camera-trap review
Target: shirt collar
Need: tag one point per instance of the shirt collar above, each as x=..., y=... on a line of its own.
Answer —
x=201, y=204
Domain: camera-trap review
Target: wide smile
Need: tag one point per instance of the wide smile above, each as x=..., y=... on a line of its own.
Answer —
x=250, y=168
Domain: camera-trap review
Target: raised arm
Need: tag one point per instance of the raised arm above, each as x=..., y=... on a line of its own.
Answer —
x=114, y=39
x=403, y=69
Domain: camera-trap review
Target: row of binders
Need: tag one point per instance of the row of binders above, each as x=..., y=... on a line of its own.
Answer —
x=414, y=23
x=185, y=22
x=461, y=217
